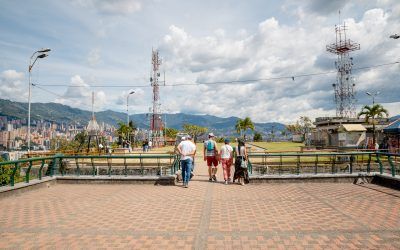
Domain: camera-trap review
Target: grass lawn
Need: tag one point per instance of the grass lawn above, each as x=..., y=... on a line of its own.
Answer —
x=279, y=146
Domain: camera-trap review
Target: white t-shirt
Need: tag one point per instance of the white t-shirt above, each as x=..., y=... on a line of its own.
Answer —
x=187, y=147
x=226, y=151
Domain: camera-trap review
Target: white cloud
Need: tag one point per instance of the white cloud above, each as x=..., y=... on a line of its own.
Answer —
x=276, y=50
x=13, y=86
x=94, y=57
x=112, y=7
x=79, y=95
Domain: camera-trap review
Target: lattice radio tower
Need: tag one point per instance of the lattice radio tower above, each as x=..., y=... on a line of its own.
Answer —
x=344, y=87
x=156, y=123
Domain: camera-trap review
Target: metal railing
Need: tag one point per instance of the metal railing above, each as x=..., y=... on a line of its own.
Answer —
x=324, y=163
x=27, y=169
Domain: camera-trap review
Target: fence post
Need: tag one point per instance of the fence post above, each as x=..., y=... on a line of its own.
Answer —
x=12, y=179
x=27, y=172
x=298, y=164
x=93, y=168
x=351, y=163
x=280, y=164
x=369, y=163
x=392, y=166
x=125, y=167
x=380, y=163
x=78, y=169
x=54, y=168
x=333, y=164
x=109, y=166
x=249, y=166
x=316, y=165
x=40, y=170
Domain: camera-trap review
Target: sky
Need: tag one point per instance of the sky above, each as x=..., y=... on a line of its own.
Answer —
x=104, y=46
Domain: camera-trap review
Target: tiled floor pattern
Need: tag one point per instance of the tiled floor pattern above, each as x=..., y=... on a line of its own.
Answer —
x=204, y=216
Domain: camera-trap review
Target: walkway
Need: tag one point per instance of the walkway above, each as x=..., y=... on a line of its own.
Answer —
x=204, y=216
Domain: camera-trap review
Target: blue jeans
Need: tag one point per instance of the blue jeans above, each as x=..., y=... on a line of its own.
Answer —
x=186, y=166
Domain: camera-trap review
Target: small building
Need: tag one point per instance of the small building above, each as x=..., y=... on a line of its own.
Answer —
x=351, y=135
x=346, y=132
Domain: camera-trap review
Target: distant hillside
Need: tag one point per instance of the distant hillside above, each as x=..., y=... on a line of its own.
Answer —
x=64, y=114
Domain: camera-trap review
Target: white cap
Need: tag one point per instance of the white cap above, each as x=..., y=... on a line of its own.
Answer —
x=211, y=135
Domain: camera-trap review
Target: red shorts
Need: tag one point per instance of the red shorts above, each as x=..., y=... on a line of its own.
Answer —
x=212, y=160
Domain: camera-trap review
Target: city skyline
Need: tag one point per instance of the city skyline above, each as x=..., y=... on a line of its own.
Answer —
x=110, y=42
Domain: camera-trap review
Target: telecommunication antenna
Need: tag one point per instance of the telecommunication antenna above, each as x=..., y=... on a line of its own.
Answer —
x=344, y=87
x=156, y=123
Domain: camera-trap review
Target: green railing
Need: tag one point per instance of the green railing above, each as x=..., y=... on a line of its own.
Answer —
x=95, y=165
x=167, y=164
x=323, y=163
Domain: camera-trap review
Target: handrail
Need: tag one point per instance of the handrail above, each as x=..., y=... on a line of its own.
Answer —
x=349, y=162
x=57, y=161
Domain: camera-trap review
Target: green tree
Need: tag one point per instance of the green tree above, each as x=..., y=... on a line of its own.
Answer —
x=171, y=132
x=125, y=131
x=371, y=113
x=257, y=136
x=80, y=139
x=305, y=126
x=194, y=130
x=243, y=125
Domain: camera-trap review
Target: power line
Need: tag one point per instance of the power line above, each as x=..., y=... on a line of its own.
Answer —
x=58, y=95
x=218, y=82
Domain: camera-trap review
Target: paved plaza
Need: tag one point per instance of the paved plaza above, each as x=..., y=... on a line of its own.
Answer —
x=204, y=216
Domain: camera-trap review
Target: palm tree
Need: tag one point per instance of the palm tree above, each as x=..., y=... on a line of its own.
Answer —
x=243, y=125
x=371, y=113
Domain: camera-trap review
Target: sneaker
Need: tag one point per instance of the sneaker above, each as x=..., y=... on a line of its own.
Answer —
x=186, y=186
x=215, y=178
x=210, y=179
x=229, y=180
x=226, y=182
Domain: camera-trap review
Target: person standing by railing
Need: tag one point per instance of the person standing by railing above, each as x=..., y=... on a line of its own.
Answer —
x=241, y=172
x=186, y=149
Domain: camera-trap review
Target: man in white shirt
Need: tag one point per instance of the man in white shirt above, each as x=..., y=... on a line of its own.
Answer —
x=226, y=154
x=187, y=150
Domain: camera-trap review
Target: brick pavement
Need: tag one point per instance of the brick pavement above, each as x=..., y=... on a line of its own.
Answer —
x=204, y=216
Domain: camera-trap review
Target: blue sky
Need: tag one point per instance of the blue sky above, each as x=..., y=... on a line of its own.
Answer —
x=104, y=42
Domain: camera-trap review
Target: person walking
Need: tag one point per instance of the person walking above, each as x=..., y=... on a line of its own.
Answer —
x=187, y=150
x=189, y=138
x=210, y=155
x=241, y=173
x=226, y=154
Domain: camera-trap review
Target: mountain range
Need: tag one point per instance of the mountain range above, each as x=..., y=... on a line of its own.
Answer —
x=59, y=113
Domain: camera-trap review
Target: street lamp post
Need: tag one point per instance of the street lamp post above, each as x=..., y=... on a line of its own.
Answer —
x=127, y=111
x=37, y=54
x=373, y=96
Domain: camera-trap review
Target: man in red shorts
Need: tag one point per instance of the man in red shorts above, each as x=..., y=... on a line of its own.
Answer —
x=210, y=155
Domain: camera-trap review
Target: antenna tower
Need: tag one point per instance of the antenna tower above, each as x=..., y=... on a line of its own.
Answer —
x=156, y=123
x=344, y=87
